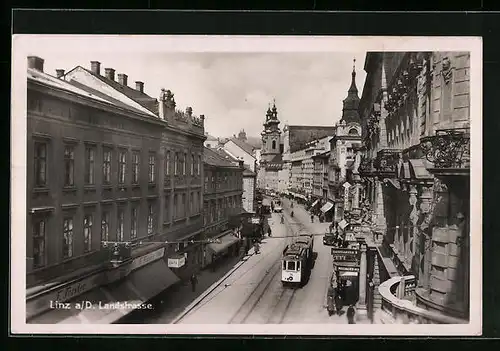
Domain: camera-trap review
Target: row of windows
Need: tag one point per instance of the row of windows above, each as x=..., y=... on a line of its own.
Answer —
x=41, y=161
x=216, y=210
x=180, y=210
x=40, y=231
x=224, y=180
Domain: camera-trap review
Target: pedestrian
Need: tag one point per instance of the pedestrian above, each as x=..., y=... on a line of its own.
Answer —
x=194, y=281
x=269, y=231
x=282, y=219
x=338, y=300
x=350, y=314
x=256, y=247
x=312, y=218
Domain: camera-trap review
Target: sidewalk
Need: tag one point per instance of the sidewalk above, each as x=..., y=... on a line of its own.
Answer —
x=170, y=303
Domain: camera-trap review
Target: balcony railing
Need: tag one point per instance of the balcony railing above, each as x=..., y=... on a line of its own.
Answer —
x=448, y=150
x=366, y=166
x=386, y=161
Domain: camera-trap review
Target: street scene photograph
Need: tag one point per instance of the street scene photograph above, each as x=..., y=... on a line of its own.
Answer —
x=294, y=188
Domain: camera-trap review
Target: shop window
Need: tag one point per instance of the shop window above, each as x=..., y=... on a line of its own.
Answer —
x=39, y=228
x=120, y=224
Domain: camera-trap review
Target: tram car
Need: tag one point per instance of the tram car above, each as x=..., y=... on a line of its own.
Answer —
x=297, y=260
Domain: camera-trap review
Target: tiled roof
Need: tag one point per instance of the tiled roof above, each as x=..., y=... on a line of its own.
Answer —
x=301, y=135
x=224, y=154
x=49, y=80
x=143, y=99
x=243, y=145
x=213, y=158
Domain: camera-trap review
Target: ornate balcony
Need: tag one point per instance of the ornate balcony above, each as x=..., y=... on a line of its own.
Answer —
x=448, y=150
x=386, y=162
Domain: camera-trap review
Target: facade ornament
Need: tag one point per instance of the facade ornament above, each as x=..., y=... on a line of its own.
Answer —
x=446, y=69
x=413, y=204
x=448, y=148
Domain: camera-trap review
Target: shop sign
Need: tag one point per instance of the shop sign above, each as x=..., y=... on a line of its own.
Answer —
x=43, y=302
x=348, y=269
x=177, y=262
x=146, y=259
x=255, y=220
x=344, y=255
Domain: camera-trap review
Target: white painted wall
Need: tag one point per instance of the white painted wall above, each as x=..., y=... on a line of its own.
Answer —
x=248, y=193
x=239, y=153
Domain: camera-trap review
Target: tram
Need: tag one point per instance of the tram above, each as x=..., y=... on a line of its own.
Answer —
x=297, y=261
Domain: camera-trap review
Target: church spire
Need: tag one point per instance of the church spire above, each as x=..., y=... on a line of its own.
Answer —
x=353, y=88
x=351, y=102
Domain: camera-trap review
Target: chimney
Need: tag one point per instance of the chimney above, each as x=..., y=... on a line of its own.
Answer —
x=240, y=163
x=59, y=73
x=109, y=73
x=139, y=86
x=122, y=79
x=95, y=67
x=35, y=62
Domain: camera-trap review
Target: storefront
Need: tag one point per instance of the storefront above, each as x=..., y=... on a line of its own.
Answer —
x=86, y=301
x=227, y=246
x=346, y=266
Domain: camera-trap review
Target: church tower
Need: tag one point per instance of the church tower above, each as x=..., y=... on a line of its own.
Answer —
x=271, y=136
x=350, y=111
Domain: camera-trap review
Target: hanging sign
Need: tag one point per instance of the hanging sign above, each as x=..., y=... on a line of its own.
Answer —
x=177, y=262
x=344, y=255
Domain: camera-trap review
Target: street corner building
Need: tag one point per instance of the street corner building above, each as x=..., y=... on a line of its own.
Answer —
x=115, y=193
x=408, y=198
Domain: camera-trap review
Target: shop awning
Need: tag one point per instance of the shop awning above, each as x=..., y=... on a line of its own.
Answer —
x=152, y=279
x=326, y=207
x=137, y=288
x=315, y=203
x=225, y=241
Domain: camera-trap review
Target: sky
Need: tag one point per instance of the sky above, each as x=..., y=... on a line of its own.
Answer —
x=232, y=89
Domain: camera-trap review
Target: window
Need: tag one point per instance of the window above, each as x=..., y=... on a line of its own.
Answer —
x=176, y=164
x=152, y=169
x=298, y=265
x=198, y=199
x=274, y=144
x=206, y=183
x=69, y=165
x=105, y=226
x=198, y=165
x=135, y=167
x=89, y=165
x=87, y=233
x=191, y=203
x=167, y=209
x=119, y=225
x=291, y=265
x=133, y=223
x=192, y=164
x=284, y=265
x=67, y=237
x=150, y=219
x=40, y=164
x=167, y=163
x=184, y=160
x=106, y=166
x=122, y=166
x=183, y=205
x=39, y=243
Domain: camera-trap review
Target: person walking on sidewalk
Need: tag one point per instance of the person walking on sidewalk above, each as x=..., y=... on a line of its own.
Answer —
x=350, y=315
x=256, y=247
x=194, y=281
x=312, y=218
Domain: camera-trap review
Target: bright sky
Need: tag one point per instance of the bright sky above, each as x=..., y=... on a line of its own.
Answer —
x=232, y=89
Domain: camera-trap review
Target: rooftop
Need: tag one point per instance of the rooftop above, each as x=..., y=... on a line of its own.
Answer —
x=243, y=145
x=214, y=158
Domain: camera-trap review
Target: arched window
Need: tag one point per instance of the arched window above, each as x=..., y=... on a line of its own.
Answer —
x=353, y=131
x=274, y=144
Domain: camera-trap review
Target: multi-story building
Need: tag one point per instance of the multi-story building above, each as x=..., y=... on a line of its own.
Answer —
x=320, y=177
x=211, y=142
x=241, y=150
x=415, y=110
x=223, y=189
x=101, y=163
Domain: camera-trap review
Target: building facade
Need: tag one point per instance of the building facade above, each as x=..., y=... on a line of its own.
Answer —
x=241, y=150
x=415, y=109
x=249, y=188
x=223, y=190
x=85, y=220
